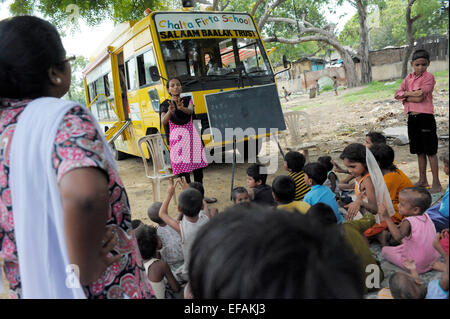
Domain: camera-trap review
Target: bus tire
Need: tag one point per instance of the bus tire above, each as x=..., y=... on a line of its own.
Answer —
x=118, y=155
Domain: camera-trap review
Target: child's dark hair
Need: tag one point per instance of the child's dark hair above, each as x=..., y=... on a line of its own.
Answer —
x=384, y=154
x=254, y=172
x=376, y=137
x=170, y=79
x=403, y=286
x=323, y=214
x=355, y=152
x=295, y=161
x=317, y=172
x=147, y=241
x=198, y=186
x=153, y=213
x=238, y=190
x=273, y=254
x=190, y=202
x=29, y=47
x=135, y=223
x=421, y=199
x=326, y=161
x=421, y=54
x=284, y=188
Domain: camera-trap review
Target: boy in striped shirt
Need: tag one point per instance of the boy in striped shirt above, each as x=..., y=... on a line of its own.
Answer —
x=293, y=163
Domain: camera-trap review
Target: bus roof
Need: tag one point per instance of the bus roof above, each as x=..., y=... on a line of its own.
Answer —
x=125, y=31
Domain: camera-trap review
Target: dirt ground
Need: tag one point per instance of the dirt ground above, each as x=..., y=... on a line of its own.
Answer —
x=334, y=124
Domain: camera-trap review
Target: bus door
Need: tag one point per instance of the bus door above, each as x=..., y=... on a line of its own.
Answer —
x=123, y=86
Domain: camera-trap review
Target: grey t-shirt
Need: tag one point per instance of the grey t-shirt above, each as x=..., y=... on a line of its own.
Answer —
x=188, y=233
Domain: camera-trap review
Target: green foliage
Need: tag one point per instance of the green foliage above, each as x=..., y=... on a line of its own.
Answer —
x=326, y=88
x=443, y=73
x=387, y=23
x=76, y=91
x=93, y=12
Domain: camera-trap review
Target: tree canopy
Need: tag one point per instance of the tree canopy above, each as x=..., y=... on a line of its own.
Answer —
x=388, y=24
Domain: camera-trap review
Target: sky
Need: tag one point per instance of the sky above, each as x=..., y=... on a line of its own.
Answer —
x=85, y=40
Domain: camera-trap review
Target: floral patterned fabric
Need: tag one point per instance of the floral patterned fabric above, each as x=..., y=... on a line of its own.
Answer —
x=77, y=144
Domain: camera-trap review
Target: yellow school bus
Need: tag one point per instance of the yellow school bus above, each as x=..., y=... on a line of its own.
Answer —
x=125, y=82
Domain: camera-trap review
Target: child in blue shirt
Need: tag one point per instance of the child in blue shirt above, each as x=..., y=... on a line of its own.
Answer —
x=439, y=212
x=315, y=176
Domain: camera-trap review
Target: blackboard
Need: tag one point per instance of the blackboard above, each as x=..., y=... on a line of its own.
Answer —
x=255, y=107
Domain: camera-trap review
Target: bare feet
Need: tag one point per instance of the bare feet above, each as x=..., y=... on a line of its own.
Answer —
x=439, y=266
x=436, y=189
x=422, y=184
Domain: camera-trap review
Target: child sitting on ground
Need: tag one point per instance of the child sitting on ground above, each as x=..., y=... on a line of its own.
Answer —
x=254, y=253
x=260, y=193
x=354, y=158
x=374, y=138
x=190, y=202
x=240, y=195
x=410, y=286
x=157, y=271
x=439, y=212
x=171, y=251
x=395, y=180
x=371, y=138
x=208, y=211
x=415, y=233
x=283, y=188
x=315, y=176
x=293, y=163
x=323, y=213
x=332, y=179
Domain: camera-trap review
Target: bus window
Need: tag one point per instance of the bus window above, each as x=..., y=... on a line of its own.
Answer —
x=130, y=67
x=250, y=55
x=211, y=63
x=144, y=62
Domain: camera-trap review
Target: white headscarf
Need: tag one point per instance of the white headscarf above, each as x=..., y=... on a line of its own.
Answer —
x=381, y=190
x=45, y=270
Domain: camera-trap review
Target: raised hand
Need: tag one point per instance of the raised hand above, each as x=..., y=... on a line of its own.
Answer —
x=183, y=183
x=409, y=264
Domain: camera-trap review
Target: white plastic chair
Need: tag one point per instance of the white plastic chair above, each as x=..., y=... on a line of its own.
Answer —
x=297, y=122
x=161, y=169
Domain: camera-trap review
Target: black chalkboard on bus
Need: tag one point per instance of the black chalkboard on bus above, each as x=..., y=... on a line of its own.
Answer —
x=256, y=107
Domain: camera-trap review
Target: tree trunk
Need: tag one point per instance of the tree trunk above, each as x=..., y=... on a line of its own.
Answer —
x=410, y=35
x=350, y=70
x=364, y=42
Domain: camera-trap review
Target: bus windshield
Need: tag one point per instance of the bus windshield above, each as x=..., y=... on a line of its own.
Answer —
x=217, y=62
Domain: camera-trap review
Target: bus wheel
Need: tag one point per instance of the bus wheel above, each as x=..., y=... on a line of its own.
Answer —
x=249, y=150
x=118, y=155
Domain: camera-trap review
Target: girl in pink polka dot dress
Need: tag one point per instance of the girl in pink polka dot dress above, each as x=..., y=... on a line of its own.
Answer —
x=186, y=149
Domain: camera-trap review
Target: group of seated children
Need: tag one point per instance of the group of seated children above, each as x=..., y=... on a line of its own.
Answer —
x=406, y=233
x=166, y=248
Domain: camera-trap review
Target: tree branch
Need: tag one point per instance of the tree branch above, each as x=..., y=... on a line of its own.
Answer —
x=267, y=13
x=215, y=5
x=255, y=7
x=225, y=5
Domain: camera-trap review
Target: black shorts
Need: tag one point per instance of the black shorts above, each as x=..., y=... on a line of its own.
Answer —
x=422, y=134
